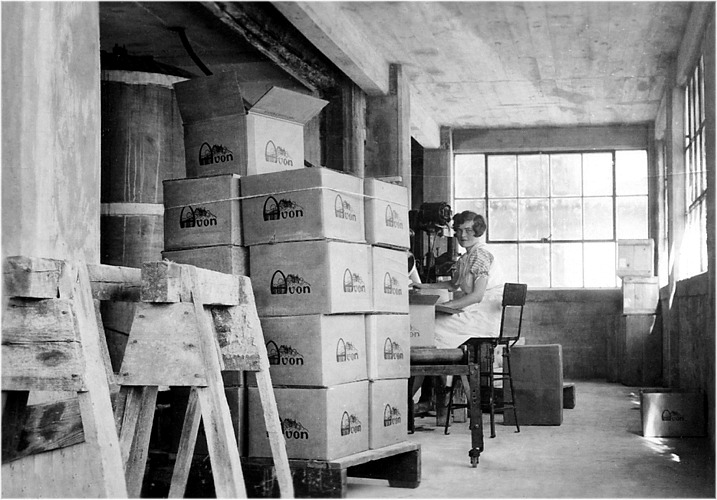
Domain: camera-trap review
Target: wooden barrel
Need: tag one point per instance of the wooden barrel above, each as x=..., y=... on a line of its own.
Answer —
x=142, y=145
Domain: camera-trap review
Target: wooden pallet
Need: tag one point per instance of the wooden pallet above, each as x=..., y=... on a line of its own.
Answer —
x=400, y=464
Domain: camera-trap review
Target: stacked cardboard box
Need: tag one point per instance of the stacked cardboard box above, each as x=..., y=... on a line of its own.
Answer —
x=225, y=142
x=639, y=339
x=319, y=288
x=388, y=328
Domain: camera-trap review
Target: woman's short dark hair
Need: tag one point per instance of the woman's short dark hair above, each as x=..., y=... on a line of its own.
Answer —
x=479, y=225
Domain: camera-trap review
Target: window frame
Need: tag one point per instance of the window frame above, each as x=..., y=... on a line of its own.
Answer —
x=486, y=199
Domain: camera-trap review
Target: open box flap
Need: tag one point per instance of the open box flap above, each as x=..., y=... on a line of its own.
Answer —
x=209, y=97
x=288, y=105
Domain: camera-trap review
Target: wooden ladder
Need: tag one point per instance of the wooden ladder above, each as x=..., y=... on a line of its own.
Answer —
x=193, y=323
x=51, y=341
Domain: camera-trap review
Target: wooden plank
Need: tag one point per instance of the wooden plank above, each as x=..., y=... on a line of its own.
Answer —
x=163, y=347
x=235, y=338
x=223, y=450
x=169, y=282
x=43, y=366
x=185, y=452
x=14, y=412
x=31, y=277
x=49, y=426
x=115, y=282
x=95, y=404
x=137, y=459
x=46, y=320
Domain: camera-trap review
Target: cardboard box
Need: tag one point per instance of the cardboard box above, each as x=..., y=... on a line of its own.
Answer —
x=201, y=212
x=640, y=295
x=304, y=204
x=315, y=350
x=635, y=257
x=230, y=259
x=672, y=413
x=311, y=277
x=538, y=382
x=388, y=346
x=389, y=270
x=422, y=313
x=318, y=423
x=388, y=412
x=386, y=207
x=222, y=136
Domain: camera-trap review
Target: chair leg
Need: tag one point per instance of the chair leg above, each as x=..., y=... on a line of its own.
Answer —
x=491, y=397
x=506, y=362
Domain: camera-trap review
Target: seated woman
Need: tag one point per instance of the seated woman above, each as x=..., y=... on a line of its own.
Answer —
x=477, y=287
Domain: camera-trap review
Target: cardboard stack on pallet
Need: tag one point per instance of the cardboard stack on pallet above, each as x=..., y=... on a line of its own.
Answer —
x=639, y=340
x=226, y=139
x=319, y=287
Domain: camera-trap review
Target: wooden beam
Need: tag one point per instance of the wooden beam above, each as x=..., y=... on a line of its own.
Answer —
x=168, y=282
x=388, y=137
x=326, y=26
x=115, y=282
x=438, y=171
x=692, y=42
x=278, y=41
x=549, y=139
x=31, y=277
x=344, y=129
x=424, y=129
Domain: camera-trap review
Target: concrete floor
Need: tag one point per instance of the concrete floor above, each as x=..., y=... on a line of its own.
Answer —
x=597, y=452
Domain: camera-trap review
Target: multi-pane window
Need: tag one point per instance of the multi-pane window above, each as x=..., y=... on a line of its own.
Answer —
x=554, y=219
x=694, y=249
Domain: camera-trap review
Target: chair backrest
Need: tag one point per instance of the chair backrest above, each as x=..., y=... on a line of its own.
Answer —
x=513, y=297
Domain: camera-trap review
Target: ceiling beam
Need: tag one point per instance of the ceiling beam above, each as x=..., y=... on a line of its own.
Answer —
x=281, y=44
x=423, y=128
x=332, y=32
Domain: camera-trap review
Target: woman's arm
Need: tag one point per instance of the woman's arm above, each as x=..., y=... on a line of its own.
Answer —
x=470, y=298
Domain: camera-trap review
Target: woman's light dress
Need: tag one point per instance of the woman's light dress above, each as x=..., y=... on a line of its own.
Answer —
x=483, y=318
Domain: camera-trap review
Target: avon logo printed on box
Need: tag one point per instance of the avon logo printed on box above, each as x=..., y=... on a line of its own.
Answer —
x=353, y=283
x=282, y=284
x=277, y=154
x=350, y=424
x=293, y=429
x=343, y=209
x=282, y=209
x=210, y=155
x=391, y=285
x=283, y=355
x=196, y=217
x=392, y=350
x=346, y=351
x=393, y=218
x=391, y=416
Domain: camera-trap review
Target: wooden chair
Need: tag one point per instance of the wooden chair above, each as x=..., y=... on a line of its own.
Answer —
x=513, y=300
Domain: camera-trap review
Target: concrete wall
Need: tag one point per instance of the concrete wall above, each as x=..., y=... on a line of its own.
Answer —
x=51, y=129
x=51, y=181
x=580, y=320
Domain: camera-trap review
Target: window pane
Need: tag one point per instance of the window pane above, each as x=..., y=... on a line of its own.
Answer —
x=506, y=258
x=533, y=219
x=600, y=265
x=631, y=172
x=567, y=219
x=567, y=264
x=477, y=206
x=503, y=220
x=502, y=176
x=470, y=176
x=534, y=264
x=533, y=176
x=566, y=175
x=632, y=217
x=597, y=213
x=597, y=174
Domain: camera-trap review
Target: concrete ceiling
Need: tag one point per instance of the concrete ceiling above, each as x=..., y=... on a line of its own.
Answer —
x=469, y=64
